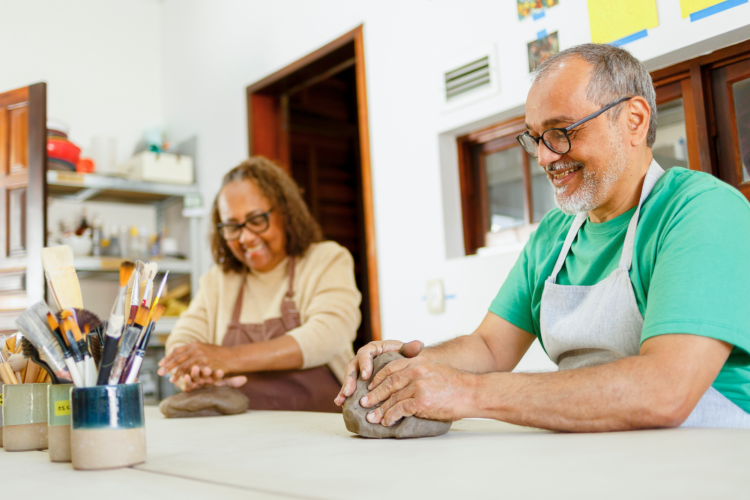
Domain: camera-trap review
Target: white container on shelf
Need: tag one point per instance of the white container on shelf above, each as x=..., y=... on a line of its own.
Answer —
x=159, y=167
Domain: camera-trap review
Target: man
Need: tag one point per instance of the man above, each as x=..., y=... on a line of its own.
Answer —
x=637, y=285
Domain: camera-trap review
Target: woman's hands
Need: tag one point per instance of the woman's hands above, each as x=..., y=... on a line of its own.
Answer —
x=198, y=364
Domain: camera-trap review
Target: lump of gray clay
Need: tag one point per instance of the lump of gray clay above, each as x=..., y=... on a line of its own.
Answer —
x=207, y=401
x=409, y=427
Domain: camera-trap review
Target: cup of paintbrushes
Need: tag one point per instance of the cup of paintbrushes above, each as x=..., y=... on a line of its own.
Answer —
x=24, y=417
x=58, y=418
x=108, y=428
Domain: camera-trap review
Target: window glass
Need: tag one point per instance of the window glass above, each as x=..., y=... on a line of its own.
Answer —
x=505, y=191
x=542, y=192
x=741, y=92
x=670, y=147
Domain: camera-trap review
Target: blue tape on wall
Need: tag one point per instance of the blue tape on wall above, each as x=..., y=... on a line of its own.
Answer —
x=541, y=34
x=537, y=16
x=630, y=38
x=715, y=9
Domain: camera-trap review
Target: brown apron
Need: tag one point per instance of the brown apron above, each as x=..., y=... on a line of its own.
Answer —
x=301, y=390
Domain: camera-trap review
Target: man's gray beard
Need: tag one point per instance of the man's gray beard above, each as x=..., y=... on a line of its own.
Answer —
x=594, y=187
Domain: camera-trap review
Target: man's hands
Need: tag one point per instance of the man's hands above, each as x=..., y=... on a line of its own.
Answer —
x=197, y=364
x=362, y=362
x=420, y=388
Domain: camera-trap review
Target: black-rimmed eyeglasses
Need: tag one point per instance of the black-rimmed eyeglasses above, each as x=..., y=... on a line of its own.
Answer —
x=556, y=139
x=256, y=224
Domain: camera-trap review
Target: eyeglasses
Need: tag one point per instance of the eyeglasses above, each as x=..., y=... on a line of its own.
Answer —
x=256, y=224
x=556, y=139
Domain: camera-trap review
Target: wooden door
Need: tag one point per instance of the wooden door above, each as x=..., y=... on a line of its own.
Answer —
x=23, y=159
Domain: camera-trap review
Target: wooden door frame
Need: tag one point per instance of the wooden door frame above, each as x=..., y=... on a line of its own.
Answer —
x=272, y=140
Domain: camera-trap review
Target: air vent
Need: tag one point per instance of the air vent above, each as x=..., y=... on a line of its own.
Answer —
x=467, y=77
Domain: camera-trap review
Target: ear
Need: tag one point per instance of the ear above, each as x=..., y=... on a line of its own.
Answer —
x=637, y=118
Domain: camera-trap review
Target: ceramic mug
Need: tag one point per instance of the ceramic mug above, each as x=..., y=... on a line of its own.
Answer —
x=107, y=426
x=58, y=418
x=25, y=417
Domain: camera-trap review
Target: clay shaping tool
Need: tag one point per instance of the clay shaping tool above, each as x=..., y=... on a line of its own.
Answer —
x=18, y=365
x=33, y=324
x=135, y=365
x=62, y=277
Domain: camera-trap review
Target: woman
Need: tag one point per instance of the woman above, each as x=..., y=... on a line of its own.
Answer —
x=277, y=314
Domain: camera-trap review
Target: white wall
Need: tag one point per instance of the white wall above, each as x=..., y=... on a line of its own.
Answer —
x=213, y=50
x=101, y=60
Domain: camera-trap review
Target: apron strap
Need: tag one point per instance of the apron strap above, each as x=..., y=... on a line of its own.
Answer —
x=290, y=291
x=652, y=177
x=572, y=232
x=238, y=302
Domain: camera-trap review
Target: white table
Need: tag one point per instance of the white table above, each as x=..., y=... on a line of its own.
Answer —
x=263, y=455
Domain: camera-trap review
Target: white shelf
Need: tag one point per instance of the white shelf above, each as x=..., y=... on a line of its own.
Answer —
x=93, y=187
x=112, y=264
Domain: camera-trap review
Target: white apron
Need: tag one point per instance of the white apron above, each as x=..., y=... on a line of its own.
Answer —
x=592, y=325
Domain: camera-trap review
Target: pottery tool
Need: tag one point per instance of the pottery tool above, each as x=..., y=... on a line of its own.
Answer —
x=135, y=365
x=56, y=328
x=32, y=372
x=30, y=351
x=114, y=325
x=62, y=277
x=6, y=372
x=129, y=337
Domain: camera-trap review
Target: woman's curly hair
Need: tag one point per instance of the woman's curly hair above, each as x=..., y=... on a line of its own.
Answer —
x=299, y=226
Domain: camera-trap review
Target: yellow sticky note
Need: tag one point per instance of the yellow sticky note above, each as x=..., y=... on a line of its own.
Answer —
x=1, y=399
x=62, y=408
x=615, y=19
x=691, y=6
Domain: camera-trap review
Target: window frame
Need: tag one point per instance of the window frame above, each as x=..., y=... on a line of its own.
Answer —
x=711, y=142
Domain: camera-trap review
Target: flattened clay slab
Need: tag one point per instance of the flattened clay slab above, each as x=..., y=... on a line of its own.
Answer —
x=205, y=402
x=409, y=427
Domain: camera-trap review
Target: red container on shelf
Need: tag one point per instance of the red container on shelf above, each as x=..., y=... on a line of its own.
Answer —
x=62, y=149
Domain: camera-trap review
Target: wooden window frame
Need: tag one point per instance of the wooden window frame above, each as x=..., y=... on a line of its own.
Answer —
x=691, y=80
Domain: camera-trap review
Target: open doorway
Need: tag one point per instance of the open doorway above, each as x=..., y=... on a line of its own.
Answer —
x=311, y=118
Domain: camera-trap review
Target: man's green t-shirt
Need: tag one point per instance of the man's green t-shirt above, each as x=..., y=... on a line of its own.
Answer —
x=690, y=272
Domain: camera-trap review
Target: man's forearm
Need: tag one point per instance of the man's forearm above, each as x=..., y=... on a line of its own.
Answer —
x=616, y=396
x=467, y=352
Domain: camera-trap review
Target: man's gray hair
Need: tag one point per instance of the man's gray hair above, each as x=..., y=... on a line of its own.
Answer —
x=615, y=73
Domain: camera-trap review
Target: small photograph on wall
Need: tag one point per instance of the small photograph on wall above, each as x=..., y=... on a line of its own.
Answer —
x=541, y=49
x=528, y=8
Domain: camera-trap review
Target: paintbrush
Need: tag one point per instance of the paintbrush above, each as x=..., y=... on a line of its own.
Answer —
x=56, y=328
x=89, y=369
x=62, y=277
x=134, y=302
x=135, y=365
x=34, y=325
x=147, y=286
x=95, y=347
x=6, y=372
x=129, y=337
x=70, y=340
x=141, y=320
x=30, y=351
x=158, y=296
x=114, y=325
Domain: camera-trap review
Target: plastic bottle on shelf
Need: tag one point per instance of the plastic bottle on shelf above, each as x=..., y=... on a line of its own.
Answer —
x=83, y=225
x=97, y=236
x=124, y=249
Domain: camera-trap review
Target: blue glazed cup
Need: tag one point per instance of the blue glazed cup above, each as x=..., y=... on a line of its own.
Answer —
x=108, y=428
x=24, y=417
